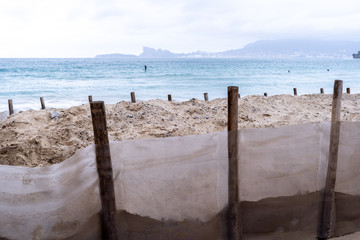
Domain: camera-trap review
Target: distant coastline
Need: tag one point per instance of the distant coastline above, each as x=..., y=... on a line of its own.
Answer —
x=291, y=48
x=116, y=55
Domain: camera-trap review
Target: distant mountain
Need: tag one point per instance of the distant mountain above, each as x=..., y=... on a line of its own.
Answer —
x=292, y=48
x=297, y=48
x=159, y=53
x=116, y=55
x=152, y=53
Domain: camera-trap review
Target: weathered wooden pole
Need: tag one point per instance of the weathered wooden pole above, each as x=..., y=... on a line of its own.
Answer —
x=348, y=90
x=42, y=103
x=321, y=90
x=234, y=227
x=206, y=97
x=295, y=92
x=104, y=168
x=327, y=212
x=90, y=98
x=169, y=98
x=133, y=100
x=11, y=108
x=265, y=94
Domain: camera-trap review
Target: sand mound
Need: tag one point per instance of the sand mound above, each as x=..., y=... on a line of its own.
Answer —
x=38, y=138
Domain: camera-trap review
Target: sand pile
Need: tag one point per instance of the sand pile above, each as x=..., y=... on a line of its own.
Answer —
x=38, y=138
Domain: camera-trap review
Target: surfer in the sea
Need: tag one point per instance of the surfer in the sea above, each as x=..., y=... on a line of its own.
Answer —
x=145, y=68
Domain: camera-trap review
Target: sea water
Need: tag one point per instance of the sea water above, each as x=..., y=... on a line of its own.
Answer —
x=68, y=82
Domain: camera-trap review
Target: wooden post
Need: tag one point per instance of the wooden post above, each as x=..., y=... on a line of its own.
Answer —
x=348, y=90
x=11, y=108
x=169, y=98
x=327, y=212
x=295, y=92
x=321, y=90
x=90, y=98
x=133, y=100
x=265, y=94
x=234, y=227
x=206, y=97
x=42, y=103
x=104, y=168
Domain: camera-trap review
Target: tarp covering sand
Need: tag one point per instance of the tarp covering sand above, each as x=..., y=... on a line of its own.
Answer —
x=176, y=188
x=4, y=115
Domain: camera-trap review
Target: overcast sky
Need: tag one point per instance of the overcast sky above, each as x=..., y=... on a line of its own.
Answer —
x=85, y=28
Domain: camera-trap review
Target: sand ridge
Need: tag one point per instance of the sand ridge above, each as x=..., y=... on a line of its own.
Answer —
x=33, y=138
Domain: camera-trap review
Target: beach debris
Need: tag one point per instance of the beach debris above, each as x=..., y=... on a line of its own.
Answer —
x=54, y=115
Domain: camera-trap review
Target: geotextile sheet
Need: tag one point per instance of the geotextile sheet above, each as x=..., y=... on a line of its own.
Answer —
x=176, y=188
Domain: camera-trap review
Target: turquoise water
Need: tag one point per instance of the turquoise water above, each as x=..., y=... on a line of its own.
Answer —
x=68, y=82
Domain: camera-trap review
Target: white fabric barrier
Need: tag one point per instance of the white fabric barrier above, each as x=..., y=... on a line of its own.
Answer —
x=176, y=179
x=48, y=202
x=172, y=179
x=282, y=161
x=348, y=171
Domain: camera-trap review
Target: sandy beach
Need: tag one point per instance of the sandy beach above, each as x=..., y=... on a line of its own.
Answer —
x=43, y=137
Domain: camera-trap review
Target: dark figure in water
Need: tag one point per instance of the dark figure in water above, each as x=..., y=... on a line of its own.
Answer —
x=288, y=71
x=145, y=68
x=328, y=70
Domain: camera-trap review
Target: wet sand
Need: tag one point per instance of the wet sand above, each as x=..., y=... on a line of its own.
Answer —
x=280, y=218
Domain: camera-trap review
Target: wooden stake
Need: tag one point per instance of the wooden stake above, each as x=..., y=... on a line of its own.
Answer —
x=90, y=98
x=265, y=94
x=11, y=108
x=206, y=97
x=169, y=98
x=321, y=90
x=42, y=103
x=295, y=92
x=234, y=227
x=327, y=212
x=104, y=168
x=348, y=90
x=133, y=100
